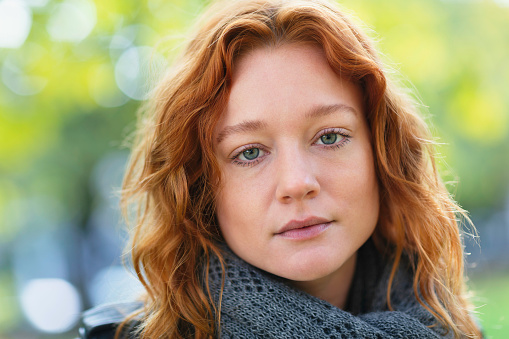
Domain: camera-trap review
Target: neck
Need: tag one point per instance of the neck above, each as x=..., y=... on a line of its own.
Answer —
x=333, y=288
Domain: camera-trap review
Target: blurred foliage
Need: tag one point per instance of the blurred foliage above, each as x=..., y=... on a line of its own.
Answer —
x=456, y=54
x=9, y=309
x=65, y=99
x=491, y=299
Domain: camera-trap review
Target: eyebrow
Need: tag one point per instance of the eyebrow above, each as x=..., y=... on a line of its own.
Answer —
x=243, y=127
x=325, y=110
x=255, y=125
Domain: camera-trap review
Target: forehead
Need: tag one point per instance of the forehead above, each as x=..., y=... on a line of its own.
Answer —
x=295, y=78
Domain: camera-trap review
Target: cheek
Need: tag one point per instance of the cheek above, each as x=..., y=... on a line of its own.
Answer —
x=368, y=192
x=243, y=193
x=225, y=197
x=224, y=210
x=367, y=183
x=224, y=216
x=237, y=205
x=356, y=186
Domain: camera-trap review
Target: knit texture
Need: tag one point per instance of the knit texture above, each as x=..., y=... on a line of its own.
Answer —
x=256, y=304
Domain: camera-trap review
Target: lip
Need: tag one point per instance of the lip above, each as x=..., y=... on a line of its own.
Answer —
x=305, y=228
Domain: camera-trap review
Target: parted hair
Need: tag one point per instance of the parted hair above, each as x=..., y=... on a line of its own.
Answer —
x=173, y=173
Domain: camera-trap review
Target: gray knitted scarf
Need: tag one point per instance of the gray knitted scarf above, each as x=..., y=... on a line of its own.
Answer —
x=256, y=304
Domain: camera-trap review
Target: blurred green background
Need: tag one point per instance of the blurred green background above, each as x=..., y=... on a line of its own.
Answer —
x=74, y=72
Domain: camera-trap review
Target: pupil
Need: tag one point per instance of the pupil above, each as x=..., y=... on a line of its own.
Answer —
x=329, y=138
x=251, y=154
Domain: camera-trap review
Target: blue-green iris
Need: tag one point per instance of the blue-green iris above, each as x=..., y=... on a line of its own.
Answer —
x=329, y=138
x=251, y=153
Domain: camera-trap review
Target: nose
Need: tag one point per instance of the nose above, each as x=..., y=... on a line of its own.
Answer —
x=295, y=179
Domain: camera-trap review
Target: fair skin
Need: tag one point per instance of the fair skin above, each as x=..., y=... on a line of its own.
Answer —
x=299, y=193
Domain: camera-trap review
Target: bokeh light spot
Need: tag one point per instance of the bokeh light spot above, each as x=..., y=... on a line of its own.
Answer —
x=114, y=284
x=51, y=305
x=15, y=23
x=137, y=69
x=72, y=20
x=37, y=3
x=504, y=3
x=21, y=84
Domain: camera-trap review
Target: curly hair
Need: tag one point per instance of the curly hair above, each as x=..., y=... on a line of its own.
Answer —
x=173, y=170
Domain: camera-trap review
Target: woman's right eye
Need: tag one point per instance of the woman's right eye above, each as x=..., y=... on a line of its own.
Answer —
x=248, y=155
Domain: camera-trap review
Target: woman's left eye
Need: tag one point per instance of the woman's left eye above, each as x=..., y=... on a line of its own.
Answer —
x=332, y=137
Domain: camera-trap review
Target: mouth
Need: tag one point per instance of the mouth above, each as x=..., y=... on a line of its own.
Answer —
x=304, y=229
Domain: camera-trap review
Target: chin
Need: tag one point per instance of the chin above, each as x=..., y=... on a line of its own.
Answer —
x=311, y=268
x=311, y=274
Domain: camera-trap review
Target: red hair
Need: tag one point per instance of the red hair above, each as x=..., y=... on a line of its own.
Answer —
x=173, y=170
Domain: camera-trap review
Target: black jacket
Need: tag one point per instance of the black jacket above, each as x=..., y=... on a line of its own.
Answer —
x=101, y=322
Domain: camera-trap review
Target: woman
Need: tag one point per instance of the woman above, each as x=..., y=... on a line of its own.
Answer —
x=287, y=189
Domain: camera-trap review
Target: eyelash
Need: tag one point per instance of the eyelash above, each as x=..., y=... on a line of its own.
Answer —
x=342, y=132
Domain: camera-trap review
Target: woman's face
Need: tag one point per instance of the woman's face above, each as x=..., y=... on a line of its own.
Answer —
x=299, y=193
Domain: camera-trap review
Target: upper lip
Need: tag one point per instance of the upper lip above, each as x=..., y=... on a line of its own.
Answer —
x=295, y=224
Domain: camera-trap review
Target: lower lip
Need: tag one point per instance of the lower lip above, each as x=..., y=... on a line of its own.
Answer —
x=305, y=232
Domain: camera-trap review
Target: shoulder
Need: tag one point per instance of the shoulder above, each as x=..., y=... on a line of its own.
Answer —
x=101, y=322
